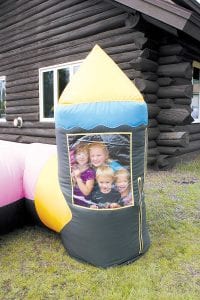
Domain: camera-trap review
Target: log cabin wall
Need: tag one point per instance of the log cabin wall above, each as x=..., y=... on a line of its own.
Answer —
x=41, y=33
x=36, y=34
x=178, y=135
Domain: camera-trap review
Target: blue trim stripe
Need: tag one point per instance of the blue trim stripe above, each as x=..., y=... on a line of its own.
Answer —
x=109, y=114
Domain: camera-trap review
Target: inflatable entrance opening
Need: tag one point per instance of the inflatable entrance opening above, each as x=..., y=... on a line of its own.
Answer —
x=101, y=124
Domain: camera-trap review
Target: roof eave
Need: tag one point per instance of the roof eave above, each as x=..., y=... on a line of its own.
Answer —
x=170, y=14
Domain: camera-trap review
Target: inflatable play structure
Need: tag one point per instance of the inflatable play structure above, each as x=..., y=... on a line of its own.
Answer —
x=89, y=187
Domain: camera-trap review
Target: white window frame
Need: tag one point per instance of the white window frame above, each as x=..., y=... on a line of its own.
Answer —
x=55, y=68
x=197, y=66
x=3, y=78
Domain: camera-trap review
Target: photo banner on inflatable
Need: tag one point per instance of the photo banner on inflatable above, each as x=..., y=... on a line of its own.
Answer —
x=101, y=122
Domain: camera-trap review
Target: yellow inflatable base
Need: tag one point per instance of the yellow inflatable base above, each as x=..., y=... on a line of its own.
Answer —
x=50, y=203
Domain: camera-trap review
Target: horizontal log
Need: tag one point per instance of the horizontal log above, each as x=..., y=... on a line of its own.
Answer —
x=115, y=48
x=27, y=124
x=194, y=136
x=193, y=146
x=22, y=109
x=22, y=88
x=172, y=143
x=143, y=64
x=181, y=81
x=132, y=74
x=165, y=103
x=9, y=137
x=191, y=128
x=124, y=66
x=165, y=60
x=173, y=49
x=25, y=117
x=173, y=135
x=35, y=139
x=39, y=132
x=176, y=70
x=121, y=56
x=165, y=81
x=20, y=81
x=22, y=102
x=178, y=91
x=173, y=116
x=179, y=139
x=169, y=150
x=27, y=139
x=186, y=101
x=25, y=74
x=187, y=107
x=153, y=110
x=22, y=95
x=146, y=86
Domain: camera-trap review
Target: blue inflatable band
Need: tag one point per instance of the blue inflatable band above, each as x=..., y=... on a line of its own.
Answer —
x=109, y=114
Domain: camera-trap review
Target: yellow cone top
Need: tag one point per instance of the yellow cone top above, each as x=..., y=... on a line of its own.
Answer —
x=99, y=79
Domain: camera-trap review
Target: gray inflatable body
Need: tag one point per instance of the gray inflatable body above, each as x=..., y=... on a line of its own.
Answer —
x=108, y=225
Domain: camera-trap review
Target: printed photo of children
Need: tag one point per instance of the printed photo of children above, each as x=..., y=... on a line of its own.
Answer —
x=100, y=168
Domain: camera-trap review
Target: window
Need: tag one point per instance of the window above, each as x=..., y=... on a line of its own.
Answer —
x=52, y=81
x=2, y=98
x=196, y=93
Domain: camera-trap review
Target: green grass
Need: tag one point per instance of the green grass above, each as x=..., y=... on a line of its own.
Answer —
x=35, y=265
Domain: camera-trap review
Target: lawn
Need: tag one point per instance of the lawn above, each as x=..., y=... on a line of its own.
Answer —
x=35, y=265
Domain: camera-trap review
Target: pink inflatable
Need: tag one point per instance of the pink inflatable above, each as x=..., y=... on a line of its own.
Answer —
x=20, y=165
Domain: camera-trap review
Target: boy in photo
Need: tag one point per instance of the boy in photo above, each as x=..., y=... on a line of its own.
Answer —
x=106, y=196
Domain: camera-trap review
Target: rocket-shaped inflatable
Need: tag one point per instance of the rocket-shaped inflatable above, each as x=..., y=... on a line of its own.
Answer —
x=101, y=124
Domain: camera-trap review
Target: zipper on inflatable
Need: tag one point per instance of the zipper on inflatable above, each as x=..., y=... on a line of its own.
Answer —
x=140, y=188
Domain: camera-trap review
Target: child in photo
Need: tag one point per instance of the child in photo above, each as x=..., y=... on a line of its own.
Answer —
x=122, y=182
x=82, y=175
x=106, y=196
x=99, y=156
